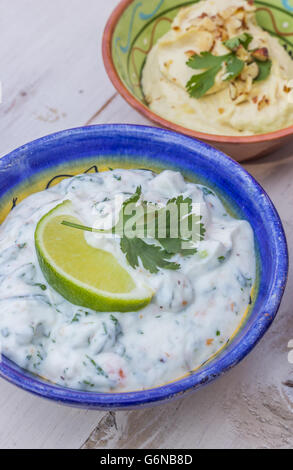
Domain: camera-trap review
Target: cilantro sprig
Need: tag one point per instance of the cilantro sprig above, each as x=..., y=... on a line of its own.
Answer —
x=151, y=247
x=201, y=83
x=233, y=43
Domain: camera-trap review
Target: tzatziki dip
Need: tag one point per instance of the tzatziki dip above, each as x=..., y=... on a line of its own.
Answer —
x=199, y=299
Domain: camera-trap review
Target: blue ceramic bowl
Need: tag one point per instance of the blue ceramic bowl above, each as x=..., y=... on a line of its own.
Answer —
x=45, y=162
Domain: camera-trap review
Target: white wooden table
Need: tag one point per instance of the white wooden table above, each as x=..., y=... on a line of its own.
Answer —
x=53, y=78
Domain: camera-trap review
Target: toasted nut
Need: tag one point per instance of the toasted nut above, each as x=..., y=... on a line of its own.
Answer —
x=222, y=34
x=255, y=99
x=167, y=64
x=243, y=54
x=287, y=89
x=205, y=40
x=203, y=15
x=242, y=98
x=233, y=91
x=176, y=28
x=239, y=91
x=240, y=13
x=217, y=20
x=248, y=85
x=228, y=12
x=207, y=24
x=233, y=25
x=261, y=54
x=221, y=110
x=250, y=71
x=263, y=103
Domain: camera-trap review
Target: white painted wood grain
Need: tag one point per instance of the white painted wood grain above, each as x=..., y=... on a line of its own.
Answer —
x=53, y=78
x=50, y=66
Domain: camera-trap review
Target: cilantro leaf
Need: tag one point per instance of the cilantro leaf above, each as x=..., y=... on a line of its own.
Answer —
x=123, y=217
x=193, y=228
x=199, y=84
x=244, y=40
x=234, y=67
x=169, y=234
x=206, y=60
x=152, y=256
x=264, y=70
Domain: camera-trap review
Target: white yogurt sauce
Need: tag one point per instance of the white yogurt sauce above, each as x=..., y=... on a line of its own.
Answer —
x=194, y=312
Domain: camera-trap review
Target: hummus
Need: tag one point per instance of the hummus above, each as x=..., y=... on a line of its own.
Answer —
x=243, y=106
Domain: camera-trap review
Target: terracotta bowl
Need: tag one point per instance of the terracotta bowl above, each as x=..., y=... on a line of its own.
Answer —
x=135, y=26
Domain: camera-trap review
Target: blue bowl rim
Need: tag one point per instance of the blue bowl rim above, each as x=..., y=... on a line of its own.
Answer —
x=218, y=366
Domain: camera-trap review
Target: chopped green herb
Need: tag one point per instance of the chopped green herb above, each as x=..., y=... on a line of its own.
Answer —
x=99, y=370
x=207, y=191
x=105, y=328
x=21, y=246
x=89, y=384
x=218, y=333
x=221, y=259
x=42, y=286
x=114, y=319
x=76, y=318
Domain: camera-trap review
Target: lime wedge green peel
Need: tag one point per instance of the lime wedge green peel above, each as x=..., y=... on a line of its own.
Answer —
x=84, y=275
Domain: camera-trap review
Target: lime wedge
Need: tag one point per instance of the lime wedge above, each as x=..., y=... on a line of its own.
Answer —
x=84, y=275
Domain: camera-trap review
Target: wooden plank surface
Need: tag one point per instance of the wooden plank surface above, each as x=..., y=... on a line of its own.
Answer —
x=53, y=78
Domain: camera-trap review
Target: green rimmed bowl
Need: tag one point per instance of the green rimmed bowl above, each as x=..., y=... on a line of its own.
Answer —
x=136, y=25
